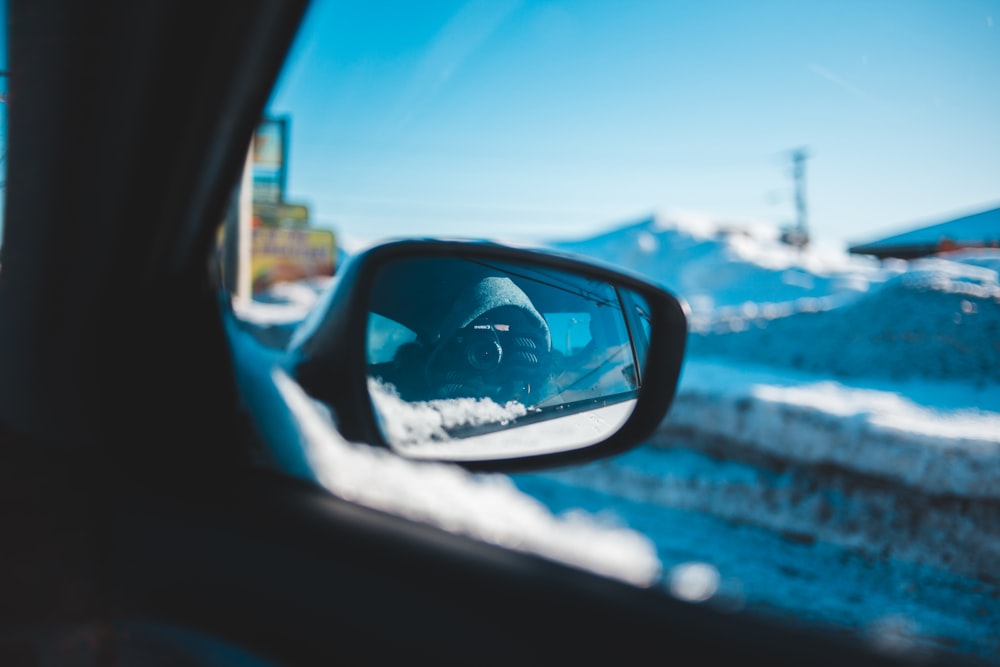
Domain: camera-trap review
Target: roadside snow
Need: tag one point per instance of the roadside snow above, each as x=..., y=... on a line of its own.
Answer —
x=824, y=397
x=942, y=438
x=888, y=369
x=939, y=319
x=282, y=303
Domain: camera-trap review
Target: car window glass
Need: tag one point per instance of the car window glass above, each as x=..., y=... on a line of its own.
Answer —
x=784, y=168
x=385, y=337
x=507, y=332
x=570, y=331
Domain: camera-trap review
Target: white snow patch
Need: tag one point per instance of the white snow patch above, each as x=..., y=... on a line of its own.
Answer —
x=414, y=423
x=940, y=449
x=648, y=243
x=283, y=302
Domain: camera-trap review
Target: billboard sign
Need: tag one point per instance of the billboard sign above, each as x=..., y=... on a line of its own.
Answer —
x=270, y=149
x=284, y=255
x=286, y=215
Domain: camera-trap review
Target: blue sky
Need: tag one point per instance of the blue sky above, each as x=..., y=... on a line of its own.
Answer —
x=530, y=119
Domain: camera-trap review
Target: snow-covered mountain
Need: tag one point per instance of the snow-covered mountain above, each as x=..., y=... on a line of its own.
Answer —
x=716, y=266
x=754, y=298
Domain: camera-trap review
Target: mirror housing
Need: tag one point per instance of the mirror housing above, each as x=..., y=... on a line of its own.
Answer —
x=342, y=355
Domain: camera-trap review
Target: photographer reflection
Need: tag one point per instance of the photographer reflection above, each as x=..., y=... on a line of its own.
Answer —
x=490, y=342
x=463, y=349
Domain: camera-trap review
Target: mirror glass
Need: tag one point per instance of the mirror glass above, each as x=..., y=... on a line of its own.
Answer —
x=474, y=359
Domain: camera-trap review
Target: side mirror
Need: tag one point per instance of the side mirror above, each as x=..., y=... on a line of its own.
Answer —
x=490, y=356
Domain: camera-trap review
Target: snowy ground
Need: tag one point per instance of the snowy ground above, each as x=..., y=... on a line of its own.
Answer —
x=825, y=398
x=890, y=370
x=850, y=407
x=940, y=438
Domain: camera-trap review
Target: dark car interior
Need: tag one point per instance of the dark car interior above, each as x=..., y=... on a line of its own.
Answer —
x=139, y=527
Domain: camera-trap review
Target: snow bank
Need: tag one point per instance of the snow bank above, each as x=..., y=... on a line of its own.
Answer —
x=877, y=432
x=804, y=504
x=889, y=370
x=939, y=319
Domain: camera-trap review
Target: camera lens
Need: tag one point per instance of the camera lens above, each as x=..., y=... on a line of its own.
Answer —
x=483, y=353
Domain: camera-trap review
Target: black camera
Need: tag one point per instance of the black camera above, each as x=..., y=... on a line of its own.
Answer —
x=481, y=347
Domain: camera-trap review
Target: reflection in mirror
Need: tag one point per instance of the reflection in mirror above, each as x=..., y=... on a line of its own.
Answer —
x=471, y=359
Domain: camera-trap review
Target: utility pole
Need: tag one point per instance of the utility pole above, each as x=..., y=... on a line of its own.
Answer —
x=799, y=157
x=799, y=234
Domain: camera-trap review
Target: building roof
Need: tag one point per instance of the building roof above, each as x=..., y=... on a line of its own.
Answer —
x=975, y=230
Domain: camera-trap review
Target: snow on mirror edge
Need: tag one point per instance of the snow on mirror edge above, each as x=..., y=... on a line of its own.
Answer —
x=421, y=429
